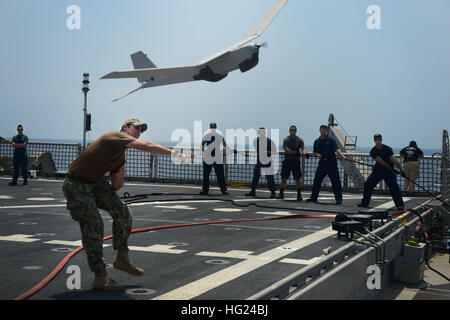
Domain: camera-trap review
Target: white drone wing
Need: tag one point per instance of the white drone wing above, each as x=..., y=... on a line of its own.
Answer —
x=255, y=32
x=149, y=73
x=127, y=94
x=156, y=77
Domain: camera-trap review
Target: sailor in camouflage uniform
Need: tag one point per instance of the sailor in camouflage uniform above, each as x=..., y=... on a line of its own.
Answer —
x=87, y=190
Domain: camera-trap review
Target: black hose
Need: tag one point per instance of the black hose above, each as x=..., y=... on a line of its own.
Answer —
x=142, y=198
x=425, y=241
x=416, y=213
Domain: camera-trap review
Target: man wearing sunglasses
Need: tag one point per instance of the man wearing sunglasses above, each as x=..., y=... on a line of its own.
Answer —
x=87, y=190
x=20, y=157
x=293, y=147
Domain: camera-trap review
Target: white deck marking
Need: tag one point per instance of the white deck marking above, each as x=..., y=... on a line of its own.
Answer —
x=165, y=202
x=41, y=199
x=276, y=213
x=177, y=207
x=227, y=210
x=386, y=205
x=34, y=206
x=200, y=286
x=76, y=243
x=159, y=248
x=205, y=284
x=239, y=254
x=300, y=261
x=19, y=238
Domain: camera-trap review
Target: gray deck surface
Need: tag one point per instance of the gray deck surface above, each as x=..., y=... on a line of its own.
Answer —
x=229, y=261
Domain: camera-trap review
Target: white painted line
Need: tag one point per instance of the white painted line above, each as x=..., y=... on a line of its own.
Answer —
x=41, y=199
x=386, y=205
x=5, y=197
x=34, y=206
x=76, y=243
x=19, y=238
x=32, y=267
x=276, y=213
x=255, y=199
x=39, y=180
x=390, y=204
x=166, y=202
x=176, y=207
x=227, y=210
x=300, y=261
x=159, y=248
x=238, y=254
x=205, y=284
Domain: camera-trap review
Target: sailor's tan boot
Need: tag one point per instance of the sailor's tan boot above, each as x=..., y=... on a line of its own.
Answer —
x=124, y=263
x=103, y=282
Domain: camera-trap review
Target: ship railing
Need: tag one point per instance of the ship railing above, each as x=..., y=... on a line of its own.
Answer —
x=144, y=166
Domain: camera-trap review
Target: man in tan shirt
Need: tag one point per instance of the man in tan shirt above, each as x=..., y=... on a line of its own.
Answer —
x=87, y=190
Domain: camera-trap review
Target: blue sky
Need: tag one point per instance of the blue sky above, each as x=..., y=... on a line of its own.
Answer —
x=321, y=59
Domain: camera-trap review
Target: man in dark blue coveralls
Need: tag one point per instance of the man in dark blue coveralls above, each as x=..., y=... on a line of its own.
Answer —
x=383, y=169
x=264, y=147
x=325, y=148
x=20, y=157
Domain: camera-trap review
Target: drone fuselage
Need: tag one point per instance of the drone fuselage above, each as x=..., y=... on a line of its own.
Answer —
x=244, y=58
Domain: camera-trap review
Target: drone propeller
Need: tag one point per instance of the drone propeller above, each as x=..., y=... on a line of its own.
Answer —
x=265, y=44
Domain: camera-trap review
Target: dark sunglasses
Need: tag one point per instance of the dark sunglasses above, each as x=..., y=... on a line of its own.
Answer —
x=139, y=128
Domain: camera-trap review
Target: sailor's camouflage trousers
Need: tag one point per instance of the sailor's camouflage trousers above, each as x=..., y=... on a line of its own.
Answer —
x=83, y=202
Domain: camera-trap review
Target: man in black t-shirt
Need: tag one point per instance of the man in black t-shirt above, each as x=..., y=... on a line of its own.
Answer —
x=213, y=158
x=383, y=169
x=411, y=155
x=293, y=147
x=325, y=149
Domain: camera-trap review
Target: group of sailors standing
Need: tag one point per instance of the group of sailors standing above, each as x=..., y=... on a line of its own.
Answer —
x=325, y=149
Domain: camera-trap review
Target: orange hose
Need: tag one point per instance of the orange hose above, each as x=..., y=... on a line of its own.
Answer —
x=66, y=259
